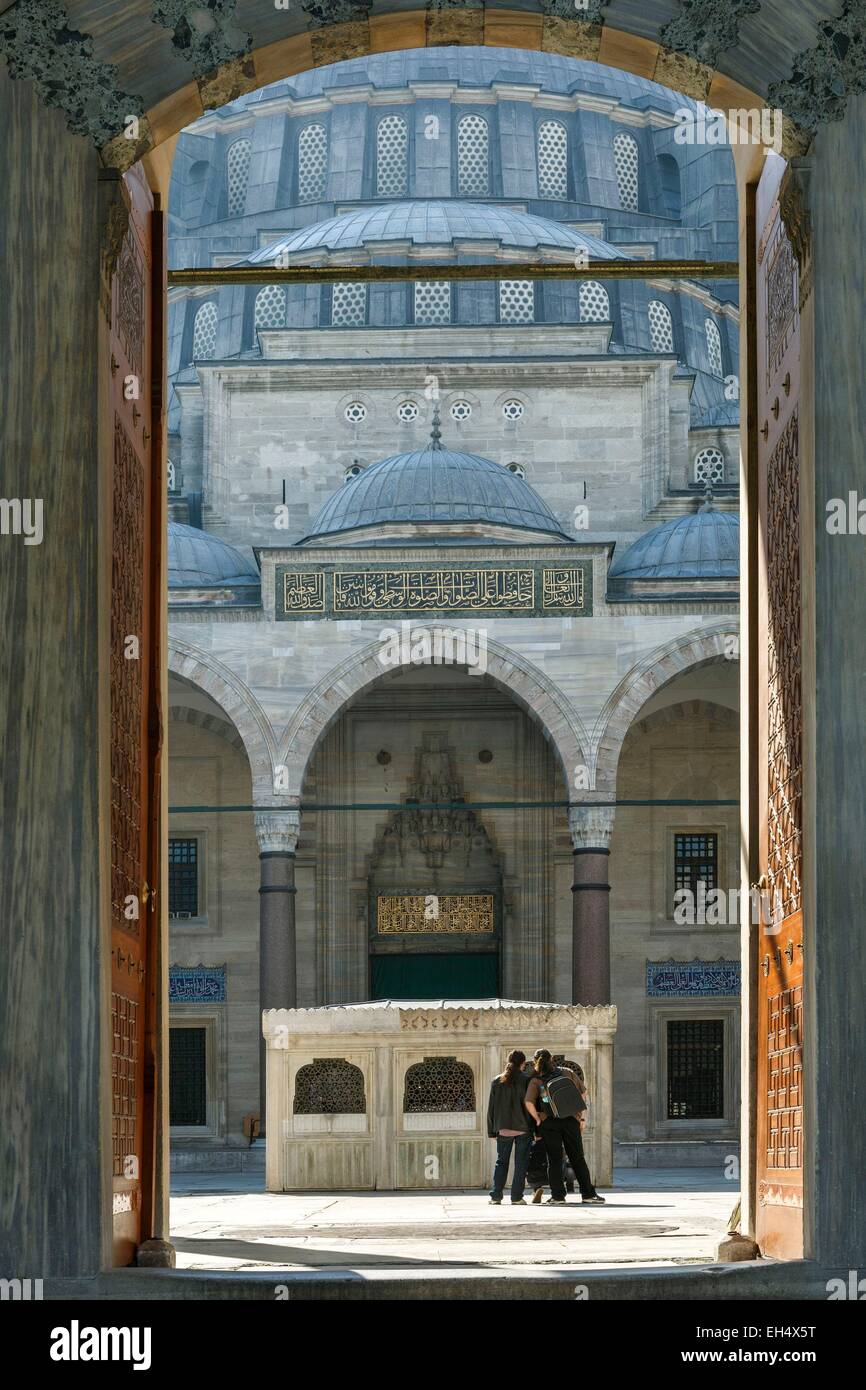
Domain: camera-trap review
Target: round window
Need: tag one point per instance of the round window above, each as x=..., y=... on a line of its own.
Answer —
x=517, y=470
x=407, y=411
x=461, y=410
x=355, y=412
x=512, y=410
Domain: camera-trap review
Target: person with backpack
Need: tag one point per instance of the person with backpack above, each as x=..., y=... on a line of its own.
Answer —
x=508, y=1123
x=554, y=1100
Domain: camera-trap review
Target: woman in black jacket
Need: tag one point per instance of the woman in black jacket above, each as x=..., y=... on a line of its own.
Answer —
x=508, y=1123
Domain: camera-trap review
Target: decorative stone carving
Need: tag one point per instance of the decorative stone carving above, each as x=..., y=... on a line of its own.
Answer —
x=825, y=76
x=40, y=47
x=205, y=34
x=706, y=28
x=591, y=826
x=277, y=831
x=794, y=211
x=439, y=831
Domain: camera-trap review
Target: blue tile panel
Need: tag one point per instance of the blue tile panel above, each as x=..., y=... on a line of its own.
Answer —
x=694, y=979
x=197, y=984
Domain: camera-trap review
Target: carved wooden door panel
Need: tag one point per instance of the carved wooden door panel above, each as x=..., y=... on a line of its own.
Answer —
x=131, y=671
x=780, y=1017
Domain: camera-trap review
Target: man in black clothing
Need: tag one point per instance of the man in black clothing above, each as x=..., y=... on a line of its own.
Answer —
x=557, y=1131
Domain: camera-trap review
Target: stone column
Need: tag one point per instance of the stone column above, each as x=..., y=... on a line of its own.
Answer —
x=277, y=834
x=591, y=826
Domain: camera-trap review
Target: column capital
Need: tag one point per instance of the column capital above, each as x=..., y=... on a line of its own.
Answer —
x=591, y=825
x=277, y=830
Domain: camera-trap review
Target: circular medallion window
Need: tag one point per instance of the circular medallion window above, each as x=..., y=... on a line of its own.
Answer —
x=352, y=471
x=512, y=410
x=407, y=411
x=355, y=412
x=517, y=469
x=461, y=410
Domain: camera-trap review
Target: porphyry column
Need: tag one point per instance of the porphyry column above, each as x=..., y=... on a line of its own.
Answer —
x=591, y=828
x=277, y=835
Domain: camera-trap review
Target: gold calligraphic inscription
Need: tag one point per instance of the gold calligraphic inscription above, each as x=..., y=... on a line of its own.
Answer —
x=405, y=916
x=420, y=590
x=562, y=588
x=304, y=592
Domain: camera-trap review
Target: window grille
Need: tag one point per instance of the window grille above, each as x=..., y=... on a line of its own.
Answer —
x=355, y=412
x=271, y=307
x=695, y=861
x=432, y=302
x=237, y=176
x=312, y=163
x=187, y=1076
x=461, y=410
x=661, y=326
x=552, y=157
x=439, y=1084
x=710, y=466
x=714, y=347
x=392, y=157
x=516, y=301
x=329, y=1086
x=349, y=305
x=204, y=332
x=407, y=411
x=513, y=410
x=473, y=143
x=182, y=878
x=594, y=303
x=696, y=1069
x=625, y=158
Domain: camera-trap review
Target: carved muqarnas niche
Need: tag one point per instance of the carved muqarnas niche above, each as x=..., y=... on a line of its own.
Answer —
x=439, y=1084
x=329, y=1086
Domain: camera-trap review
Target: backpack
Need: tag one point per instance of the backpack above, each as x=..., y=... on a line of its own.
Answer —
x=560, y=1093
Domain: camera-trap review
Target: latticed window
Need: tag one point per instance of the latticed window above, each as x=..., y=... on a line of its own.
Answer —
x=710, y=466
x=312, y=163
x=461, y=410
x=355, y=413
x=432, y=302
x=182, y=878
x=714, y=347
x=552, y=157
x=237, y=175
x=696, y=858
x=696, y=1069
x=407, y=411
x=439, y=1084
x=204, y=331
x=516, y=301
x=349, y=305
x=329, y=1086
x=187, y=1076
x=392, y=157
x=473, y=144
x=561, y=1060
x=594, y=303
x=513, y=410
x=661, y=326
x=271, y=307
x=625, y=158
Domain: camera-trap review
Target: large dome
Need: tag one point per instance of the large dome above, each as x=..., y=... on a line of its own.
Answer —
x=438, y=486
x=436, y=222
x=704, y=545
x=199, y=561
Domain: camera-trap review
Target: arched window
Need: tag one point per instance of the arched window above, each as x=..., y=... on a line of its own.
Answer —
x=312, y=163
x=552, y=157
x=271, y=307
x=329, y=1086
x=516, y=301
x=669, y=172
x=661, y=326
x=594, y=303
x=237, y=175
x=473, y=167
x=714, y=347
x=439, y=1084
x=625, y=158
x=349, y=304
x=204, y=331
x=710, y=466
x=392, y=157
x=432, y=302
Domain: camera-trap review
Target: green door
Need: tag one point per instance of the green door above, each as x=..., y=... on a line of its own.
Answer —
x=436, y=976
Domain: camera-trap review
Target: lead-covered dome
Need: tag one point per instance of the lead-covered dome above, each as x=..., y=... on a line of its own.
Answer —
x=197, y=560
x=704, y=545
x=438, y=487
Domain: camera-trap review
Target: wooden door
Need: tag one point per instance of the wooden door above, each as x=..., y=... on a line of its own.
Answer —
x=132, y=685
x=780, y=1012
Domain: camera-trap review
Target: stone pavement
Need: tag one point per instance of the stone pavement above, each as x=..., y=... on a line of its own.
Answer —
x=653, y=1218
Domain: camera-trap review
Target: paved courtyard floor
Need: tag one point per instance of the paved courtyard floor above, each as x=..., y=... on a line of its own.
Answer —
x=653, y=1217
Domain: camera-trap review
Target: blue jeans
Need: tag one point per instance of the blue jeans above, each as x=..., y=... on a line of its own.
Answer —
x=521, y=1143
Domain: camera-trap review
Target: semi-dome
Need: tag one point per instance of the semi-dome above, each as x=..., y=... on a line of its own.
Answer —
x=704, y=545
x=435, y=486
x=197, y=560
x=436, y=222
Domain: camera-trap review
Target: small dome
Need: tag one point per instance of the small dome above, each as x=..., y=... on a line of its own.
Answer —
x=197, y=560
x=435, y=222
x=436, y=485
x=704, y=545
